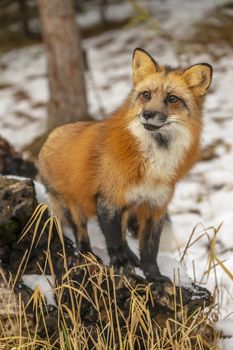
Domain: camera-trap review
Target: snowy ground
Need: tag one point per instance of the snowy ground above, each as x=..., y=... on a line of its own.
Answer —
x=205, y=198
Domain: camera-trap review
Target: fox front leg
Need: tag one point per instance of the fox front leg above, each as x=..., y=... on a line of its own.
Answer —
x=149, y=248
x=110, y=221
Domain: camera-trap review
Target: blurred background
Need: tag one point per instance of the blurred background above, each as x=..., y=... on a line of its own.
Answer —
x=62, y=61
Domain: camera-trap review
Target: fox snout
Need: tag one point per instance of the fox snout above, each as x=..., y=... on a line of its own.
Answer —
x=153, y=120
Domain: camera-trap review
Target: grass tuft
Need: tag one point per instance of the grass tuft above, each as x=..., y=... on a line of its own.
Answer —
x=35, y=325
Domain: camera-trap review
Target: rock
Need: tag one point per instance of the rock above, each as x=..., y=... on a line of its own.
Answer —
x=17, y=203
x=12, y=163
x=101, y=291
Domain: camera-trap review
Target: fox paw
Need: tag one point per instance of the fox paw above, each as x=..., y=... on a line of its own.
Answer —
x=124, y=258
x=162, y=285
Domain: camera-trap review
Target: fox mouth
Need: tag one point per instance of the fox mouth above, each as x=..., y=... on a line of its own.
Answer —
x=152, y=127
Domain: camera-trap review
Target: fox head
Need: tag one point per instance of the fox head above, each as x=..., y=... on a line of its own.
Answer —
x=166, y=102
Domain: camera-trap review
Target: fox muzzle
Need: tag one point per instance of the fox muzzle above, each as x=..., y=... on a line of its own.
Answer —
x=153, y=120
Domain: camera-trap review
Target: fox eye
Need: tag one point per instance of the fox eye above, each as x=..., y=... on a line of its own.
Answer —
x=146, y=95
x=172, y=99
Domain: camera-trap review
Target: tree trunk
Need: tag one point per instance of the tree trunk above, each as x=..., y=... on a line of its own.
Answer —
x=65, y=62
x=24, y=17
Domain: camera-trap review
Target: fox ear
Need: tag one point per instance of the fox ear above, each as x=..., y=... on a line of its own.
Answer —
x=143, y=64
x=198, y=77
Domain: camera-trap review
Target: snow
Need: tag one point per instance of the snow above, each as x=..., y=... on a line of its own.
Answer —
x=41, y=195
x=43, y=283
x=114, y=12
x=226, y=344
x=226, y=327
x=204, y=199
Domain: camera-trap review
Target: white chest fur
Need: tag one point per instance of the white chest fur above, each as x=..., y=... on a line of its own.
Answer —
x=160, y=162
x=156, y=196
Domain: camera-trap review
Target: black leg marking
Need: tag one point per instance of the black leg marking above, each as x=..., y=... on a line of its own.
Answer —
x=110, y=220
x=133, y=225
x=83, y=245
x=150, y=249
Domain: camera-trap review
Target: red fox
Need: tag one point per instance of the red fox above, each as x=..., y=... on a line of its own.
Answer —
x=128, y=165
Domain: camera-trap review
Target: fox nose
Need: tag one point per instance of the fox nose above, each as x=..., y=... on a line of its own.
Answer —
x=148, y=114
x=161, y=117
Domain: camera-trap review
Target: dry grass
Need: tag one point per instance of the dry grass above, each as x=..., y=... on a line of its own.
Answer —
x=27, y=325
